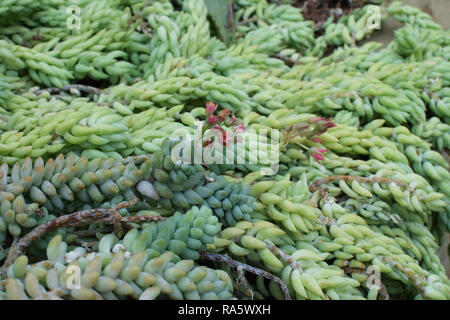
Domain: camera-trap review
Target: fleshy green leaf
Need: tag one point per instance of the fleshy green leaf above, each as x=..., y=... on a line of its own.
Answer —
x=221, y=13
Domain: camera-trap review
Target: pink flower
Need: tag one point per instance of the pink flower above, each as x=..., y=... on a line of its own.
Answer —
x=316, y=140
x=210, y=108
x=212, y=119
x=226, y=138
x=240, y=128
x=316, y=119
x=217, y=127
x=223, y=114
x=318, y=156
x=330, y=124
x=325, y=124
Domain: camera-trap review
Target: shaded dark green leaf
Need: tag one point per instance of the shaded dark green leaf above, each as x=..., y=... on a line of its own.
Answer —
x=221, y=13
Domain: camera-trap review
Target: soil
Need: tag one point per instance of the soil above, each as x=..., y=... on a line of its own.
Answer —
x=320, y=11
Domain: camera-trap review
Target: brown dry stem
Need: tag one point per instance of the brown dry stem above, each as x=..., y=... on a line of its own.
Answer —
x=78, y=218
x=236, y=264
x=315, y=185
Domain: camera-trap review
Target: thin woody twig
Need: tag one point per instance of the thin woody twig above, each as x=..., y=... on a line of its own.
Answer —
x=418, y=280
x=289, y=61
x=243, y=281
x=236, y=264
x=230, y=18
x=324, y=194
x=247, y=21
x=77, y=219
x=315, y=185
x=285, y=257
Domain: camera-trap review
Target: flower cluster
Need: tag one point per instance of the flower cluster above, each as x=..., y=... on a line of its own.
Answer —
x=310, y=130
x=321, y=126
x=317, y=153
x=221, y=120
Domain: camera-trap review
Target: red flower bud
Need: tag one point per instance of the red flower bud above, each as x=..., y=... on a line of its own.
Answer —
x=210, y=108
x=226, y=138
x=316, y=119
x=318, y=156
x=240, y=128
x=223, y=114
x=330, y=124
x=212, y=119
